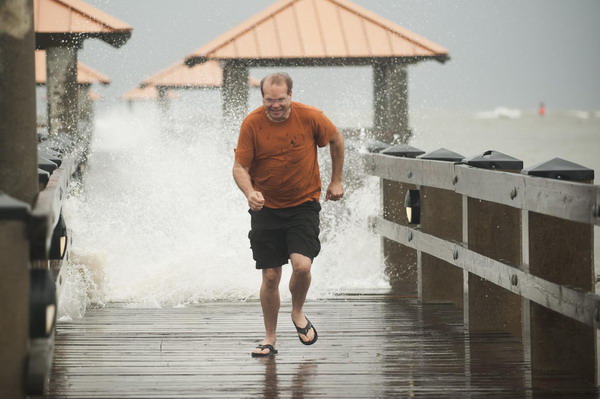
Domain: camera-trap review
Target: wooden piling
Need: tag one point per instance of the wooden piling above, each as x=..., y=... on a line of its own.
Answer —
x=18, y=179
x=400, y=261
x=14, y=299
x=441, y=216
x=554, y=243
x=493, y=230
x=18, y=140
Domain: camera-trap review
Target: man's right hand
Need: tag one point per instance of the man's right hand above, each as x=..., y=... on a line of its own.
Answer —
x=255, y=200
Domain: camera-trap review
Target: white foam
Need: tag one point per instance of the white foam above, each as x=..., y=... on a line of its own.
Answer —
x=160, y=221
x=579, y=114
x=499, y=113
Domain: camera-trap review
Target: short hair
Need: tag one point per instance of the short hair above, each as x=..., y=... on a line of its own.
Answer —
x=277, y=78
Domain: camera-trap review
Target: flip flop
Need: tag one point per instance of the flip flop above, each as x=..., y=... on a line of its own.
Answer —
x=305, y=330
x=272, y=351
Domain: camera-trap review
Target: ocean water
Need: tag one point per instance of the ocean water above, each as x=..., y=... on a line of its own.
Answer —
x=159, y=221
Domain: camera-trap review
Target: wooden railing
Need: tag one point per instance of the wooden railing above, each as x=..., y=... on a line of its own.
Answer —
x=513, y=249
x=49, y=244
x=34, y=246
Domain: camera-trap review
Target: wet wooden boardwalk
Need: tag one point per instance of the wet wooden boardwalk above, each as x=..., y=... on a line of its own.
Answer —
x=369, y=347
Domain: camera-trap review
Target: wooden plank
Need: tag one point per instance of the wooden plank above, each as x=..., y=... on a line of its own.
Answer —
x=567, y=200
x=369, y=346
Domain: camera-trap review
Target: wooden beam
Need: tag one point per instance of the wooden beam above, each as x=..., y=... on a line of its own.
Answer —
x=578, y=202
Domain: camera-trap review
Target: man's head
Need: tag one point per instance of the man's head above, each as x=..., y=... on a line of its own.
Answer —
x=276, y=92
x=278, y=78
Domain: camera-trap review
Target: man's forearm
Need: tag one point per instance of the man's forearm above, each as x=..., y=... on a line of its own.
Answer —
x=336, y=149
x=242, y=179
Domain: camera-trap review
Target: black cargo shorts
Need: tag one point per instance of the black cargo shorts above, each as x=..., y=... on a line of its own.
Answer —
x=277, y=233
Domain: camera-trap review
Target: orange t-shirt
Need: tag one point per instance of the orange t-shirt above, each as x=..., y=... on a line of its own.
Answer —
x=282, y=157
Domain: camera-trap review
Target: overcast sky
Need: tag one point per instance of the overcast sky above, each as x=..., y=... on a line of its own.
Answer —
x=503, y=52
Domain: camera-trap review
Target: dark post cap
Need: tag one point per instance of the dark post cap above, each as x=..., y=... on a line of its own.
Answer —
x=13, y=209
x=43, y=176
x=403, y=150
x=46, y=164
x=442, y=155
x=376, y=146
x=50, y=156
x=494, y=160
x=558, y=168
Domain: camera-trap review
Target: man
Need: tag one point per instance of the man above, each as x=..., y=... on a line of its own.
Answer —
x=276, y=168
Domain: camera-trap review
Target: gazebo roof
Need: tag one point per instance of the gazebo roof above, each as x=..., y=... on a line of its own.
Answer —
x=76, y=18
x=93, y=96
x=208, y=74
x=85, y=74
x=145, y=93
x=323, y=30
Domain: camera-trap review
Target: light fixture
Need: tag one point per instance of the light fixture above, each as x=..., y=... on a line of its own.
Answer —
x=58, y=244
x=412, y=203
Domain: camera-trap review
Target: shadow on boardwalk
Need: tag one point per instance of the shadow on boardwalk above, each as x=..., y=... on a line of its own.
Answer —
x=369, y=347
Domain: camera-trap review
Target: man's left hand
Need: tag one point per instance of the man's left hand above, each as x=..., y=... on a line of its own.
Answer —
x=335, y=191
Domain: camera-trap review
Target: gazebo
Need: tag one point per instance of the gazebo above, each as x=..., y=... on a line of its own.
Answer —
x=208, y=75
x=86, y=77
x=60, y=27
x=148, y=93
x=85, y=74
x=323, y=33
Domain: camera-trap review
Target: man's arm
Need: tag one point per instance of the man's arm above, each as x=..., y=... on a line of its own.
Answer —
x=242, y=178
x=335, y=190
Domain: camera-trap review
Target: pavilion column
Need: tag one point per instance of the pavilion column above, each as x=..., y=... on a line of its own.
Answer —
x=164, y=107
x=86, y=122
x=19, y=182
x=235, y=93
x=86, y=108
x=61, y=72
x=390, y=101
x=86, y=111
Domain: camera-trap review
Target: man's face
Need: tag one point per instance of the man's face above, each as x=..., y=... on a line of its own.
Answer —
x=277, y=101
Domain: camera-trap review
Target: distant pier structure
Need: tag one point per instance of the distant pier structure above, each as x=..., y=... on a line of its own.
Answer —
x=303, y=33
x=161, y=85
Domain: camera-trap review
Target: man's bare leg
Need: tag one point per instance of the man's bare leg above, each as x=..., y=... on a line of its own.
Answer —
x=299, y=285
x=270, y=303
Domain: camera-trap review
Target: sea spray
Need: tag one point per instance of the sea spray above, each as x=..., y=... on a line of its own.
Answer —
x=160, y=215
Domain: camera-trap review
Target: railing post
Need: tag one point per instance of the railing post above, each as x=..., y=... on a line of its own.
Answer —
x=561, y=251
x=14, y=295
x=400, y=261
x=441, y=216
x=493, y=230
